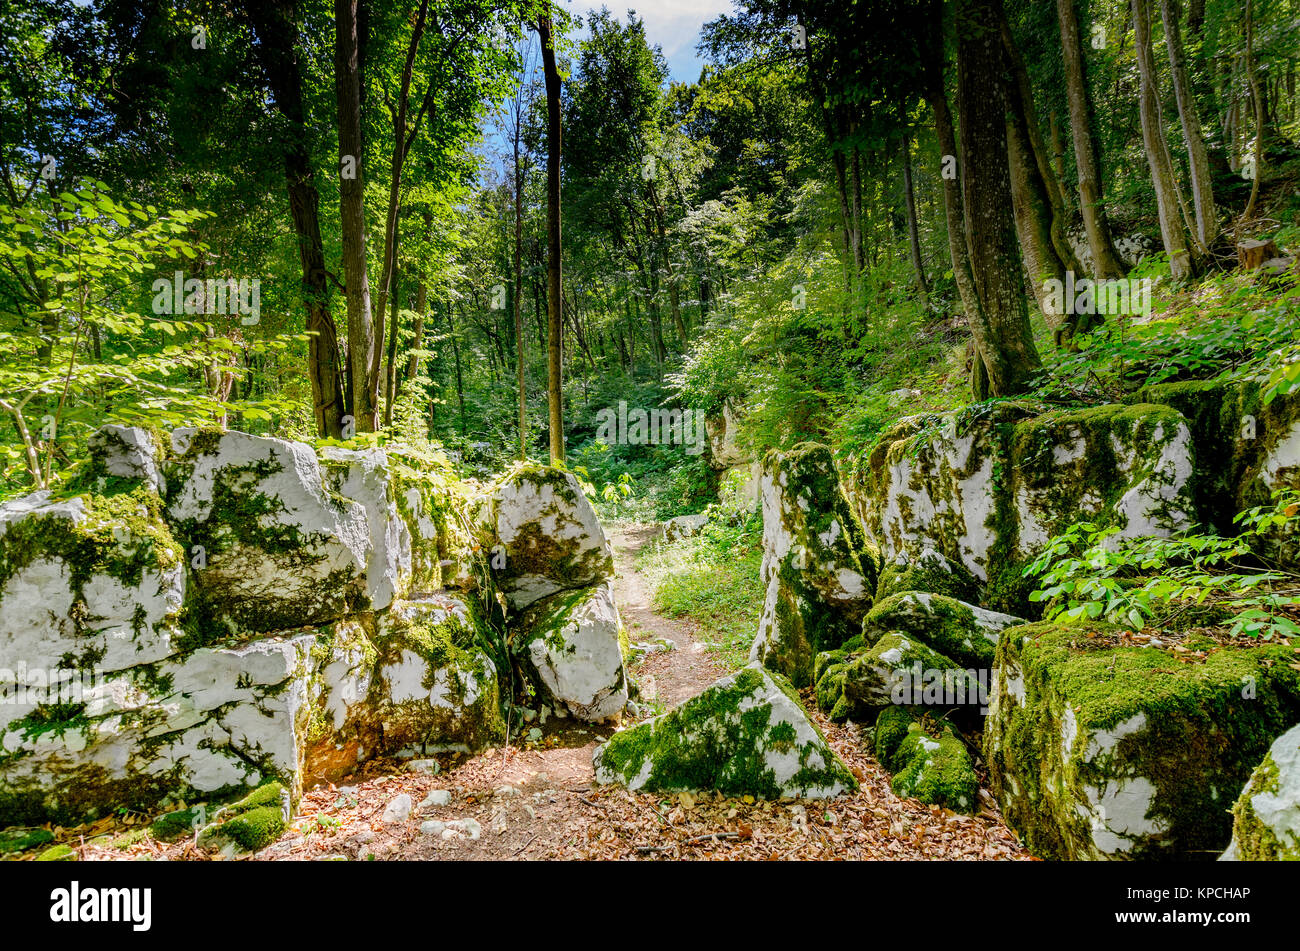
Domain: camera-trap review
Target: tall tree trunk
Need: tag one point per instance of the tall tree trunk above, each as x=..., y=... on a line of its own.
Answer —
x=1252, y=76
x=362, y=351
x=954, y=215
x=276, y=26
x=1003, y=339
x=519, y=289
x=554, y=297
x=1181, y=265
x=913, y=232
x=1207, y=219
x=1033, y=229
x=1105, y=262
x=1020, y=97
x=460, y=381
x=390, y=364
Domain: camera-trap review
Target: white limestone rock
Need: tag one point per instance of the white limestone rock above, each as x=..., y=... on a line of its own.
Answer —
x=573, y=646
x=127, y=452
x=435, y=686
x=88, y=586
x=271, y=546
x=1266, y=818
x=543, y=536
x=746, y=734
x=819, y=578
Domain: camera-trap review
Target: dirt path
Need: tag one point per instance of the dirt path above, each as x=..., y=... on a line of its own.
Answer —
x=538, y=801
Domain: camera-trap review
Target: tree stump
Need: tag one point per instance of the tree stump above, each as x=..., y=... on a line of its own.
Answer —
x=1251, y=254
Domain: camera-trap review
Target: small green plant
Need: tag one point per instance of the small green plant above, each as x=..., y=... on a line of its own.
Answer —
x=1089, y=573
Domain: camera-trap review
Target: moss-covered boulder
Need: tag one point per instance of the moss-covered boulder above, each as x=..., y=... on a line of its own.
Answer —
x=435, y=685
x=125, y=454
x=90, y=584
x=987, y=486
x=746, y=734
x=1266, y=816
x=1100, y=750
x=1244, y=449
x=250, y=824
x=859, y=679
x=542, y=536
x=819, y=575
x=210, y=723
x=271, y=542
x=966, y=633
x=574, y=648
x=928, y=571
x=934, y=767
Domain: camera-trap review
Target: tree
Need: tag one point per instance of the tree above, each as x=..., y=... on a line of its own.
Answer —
x=363, y=358
x=1181, y=262
x=1207, y=219
x=554, y=293
x=1004, y=343
x=276, y=27
x=1105, y=262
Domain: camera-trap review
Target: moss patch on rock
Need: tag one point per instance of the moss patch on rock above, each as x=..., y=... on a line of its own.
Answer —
x=744, y=735
x=1102, y=751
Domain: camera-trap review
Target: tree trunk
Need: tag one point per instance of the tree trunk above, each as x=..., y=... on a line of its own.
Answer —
x=913, y=232
x=1105, y=262
x=276, y=26
x=554, y=298
x=1207, y=220
x=1252, y=76
x=1181, y=265
x=1033, y=229
x=519, y=289
x=1003, y=339
x=362, y=353
x=1020, y=98
x=954, y=214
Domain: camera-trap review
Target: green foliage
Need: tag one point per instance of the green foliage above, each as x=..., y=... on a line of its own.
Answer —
x=1090, y=574
x=712, y=579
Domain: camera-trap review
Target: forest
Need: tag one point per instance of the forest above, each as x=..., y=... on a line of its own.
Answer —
x=947, y=345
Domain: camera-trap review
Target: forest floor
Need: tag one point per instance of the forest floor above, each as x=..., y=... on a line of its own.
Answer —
x=538, y=801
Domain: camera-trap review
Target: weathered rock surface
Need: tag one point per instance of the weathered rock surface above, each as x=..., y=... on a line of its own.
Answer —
x=965, y=632
x=858, y=679
x=543, y=536
x=126, y=452
x=1266, y=817
x=435, y=686
x=987, y=492
x=722, y=429
x=820, y=579
x=1102, y=751
x=684, y=526
x=272, y=545
x=89, y=583
x=574, y=646
x=746, y=734
x=261, y=614
x=933, y=766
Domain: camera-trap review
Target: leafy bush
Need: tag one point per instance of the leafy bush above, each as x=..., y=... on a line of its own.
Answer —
x=1087, y=573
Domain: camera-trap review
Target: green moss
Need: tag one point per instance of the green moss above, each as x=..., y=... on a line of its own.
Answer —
x=891, y=729
x=1256, y=842
x=718, y=741
x=122, y=536
x=937, y=771
x=953, y=580
x=20, y=840
x=1204, y=725
x=945, y=624
x=854, y=684
x=250, y=824
x=176, y=825
x=58, y=853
